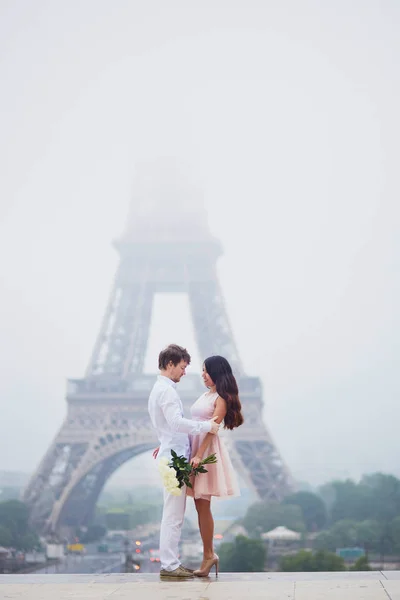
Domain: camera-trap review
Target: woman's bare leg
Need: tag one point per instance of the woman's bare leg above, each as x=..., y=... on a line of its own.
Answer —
x=206, y=526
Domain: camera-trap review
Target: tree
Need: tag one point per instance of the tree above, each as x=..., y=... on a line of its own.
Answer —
x=376, y=497
x=92, y=534
x=369, y=533
x=312, y=507
x=361, y=564
x=118, y=519
x=301, y=561
x=347, y=500
x=243, y=555
x=386, y=545
x=264, y=516
x=14, y=518
x=326, y=541
x=10, y=493
x=384, y=493
x=345, y=533
x=305, y=560
x=395, y=527
x=328, y=561
x=342, y=534
x=27, y=542
x=5, y=537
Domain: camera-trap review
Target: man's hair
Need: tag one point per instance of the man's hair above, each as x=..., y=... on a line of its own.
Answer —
x=173, y=353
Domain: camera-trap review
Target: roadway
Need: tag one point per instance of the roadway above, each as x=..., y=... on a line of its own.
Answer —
x=100, y=562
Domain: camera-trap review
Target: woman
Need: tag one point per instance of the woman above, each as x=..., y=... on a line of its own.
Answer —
x=221, y=401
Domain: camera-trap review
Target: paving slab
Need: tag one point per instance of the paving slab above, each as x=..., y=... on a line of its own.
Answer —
x=366, y=589
x=240, y=590
x=391, y=574
x=322, y=576
x=369, y=585
x=392, y=588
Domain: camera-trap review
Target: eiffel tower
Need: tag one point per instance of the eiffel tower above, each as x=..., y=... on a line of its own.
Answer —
x=165, y=248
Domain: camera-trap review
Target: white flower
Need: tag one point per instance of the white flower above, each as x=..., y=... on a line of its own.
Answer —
x=163, y=470
x=167, y=472
x=163, y=467
x=169, y=479
x=171, y=485
x=171, y=475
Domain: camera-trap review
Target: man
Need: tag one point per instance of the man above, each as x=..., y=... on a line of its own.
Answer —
x=166, y=414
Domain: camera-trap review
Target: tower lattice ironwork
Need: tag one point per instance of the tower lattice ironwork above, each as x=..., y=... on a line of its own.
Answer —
x=164, y=249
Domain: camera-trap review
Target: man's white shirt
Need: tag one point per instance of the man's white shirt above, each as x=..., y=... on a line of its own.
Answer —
x=166, y=414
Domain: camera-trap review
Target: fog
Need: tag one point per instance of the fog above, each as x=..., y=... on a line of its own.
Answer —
x=285, y=115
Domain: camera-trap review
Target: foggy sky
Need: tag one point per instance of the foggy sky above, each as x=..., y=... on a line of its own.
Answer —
x=287, y=114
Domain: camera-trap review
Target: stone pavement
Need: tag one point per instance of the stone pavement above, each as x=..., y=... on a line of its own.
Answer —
x=371, y=585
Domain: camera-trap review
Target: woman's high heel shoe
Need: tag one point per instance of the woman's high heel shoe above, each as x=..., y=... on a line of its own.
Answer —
x=208, y=565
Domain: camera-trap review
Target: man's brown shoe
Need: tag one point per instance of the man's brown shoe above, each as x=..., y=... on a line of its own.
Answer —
x=180, y=572
x=187, y=569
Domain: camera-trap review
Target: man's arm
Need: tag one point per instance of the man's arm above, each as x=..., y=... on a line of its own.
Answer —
x=169, y=404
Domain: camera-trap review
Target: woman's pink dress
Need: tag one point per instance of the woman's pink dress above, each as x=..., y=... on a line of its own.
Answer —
x=220, y=480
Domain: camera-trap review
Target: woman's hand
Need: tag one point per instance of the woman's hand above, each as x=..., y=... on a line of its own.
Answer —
x=196, y=460
x=156, y=451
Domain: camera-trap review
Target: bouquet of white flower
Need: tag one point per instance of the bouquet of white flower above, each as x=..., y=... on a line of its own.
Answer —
x=177, y=473
x=168, y=475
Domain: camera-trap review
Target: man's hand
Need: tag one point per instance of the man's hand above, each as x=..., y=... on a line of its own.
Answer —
x=214, y=426
x=156, y=451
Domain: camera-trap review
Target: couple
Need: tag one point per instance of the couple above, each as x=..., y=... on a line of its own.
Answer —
x=195, y=439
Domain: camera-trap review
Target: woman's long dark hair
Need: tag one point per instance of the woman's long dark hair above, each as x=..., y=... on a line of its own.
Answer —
x=220, y=372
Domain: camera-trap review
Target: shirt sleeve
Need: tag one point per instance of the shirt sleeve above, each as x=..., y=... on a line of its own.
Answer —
x=169, y=404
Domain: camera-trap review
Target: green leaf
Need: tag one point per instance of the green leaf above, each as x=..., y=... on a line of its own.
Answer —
x=211, y=459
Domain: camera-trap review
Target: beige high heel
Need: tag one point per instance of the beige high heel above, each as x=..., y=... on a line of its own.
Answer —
x=209, y=563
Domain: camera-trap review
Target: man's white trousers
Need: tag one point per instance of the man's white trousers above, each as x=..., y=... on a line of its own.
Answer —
x=170, y=532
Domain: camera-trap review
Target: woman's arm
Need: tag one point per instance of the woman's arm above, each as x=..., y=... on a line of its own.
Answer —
x=218, y=415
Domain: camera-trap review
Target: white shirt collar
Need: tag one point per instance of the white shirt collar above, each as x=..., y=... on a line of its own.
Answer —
x=167, y=380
